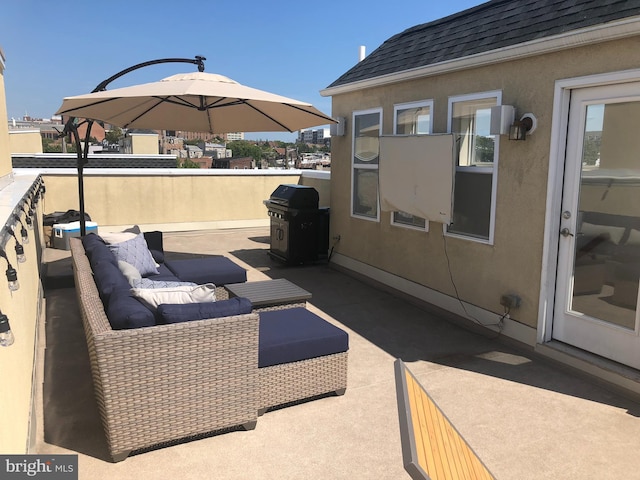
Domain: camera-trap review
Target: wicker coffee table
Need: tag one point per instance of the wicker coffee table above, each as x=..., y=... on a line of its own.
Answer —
x=270, y=294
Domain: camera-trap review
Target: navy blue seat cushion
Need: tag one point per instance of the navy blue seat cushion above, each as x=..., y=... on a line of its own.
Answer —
x=108, y=278
x=296, y=334
x=174, y=313
x=216, y=270
x=125, y=311
x=164, y=275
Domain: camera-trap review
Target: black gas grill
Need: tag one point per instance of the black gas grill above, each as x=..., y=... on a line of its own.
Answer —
x=299, y=228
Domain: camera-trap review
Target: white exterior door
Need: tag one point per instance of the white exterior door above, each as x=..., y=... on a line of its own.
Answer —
x=596, y=304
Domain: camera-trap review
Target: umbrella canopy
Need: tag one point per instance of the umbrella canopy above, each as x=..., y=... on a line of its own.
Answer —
x=195, y=102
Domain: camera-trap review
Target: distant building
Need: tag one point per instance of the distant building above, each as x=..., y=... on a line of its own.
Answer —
x=233, y=163
x=230, y=137
x=203, y=162
x=193, y=151
x=140, y=143
x=97, y=130
x=215, y=150
x=203, y=136
x=26, y=135
x=315, y=137
x=315, y=161
x=171, y=145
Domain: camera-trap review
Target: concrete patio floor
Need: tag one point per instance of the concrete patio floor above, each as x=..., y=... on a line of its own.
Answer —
x=525, y=417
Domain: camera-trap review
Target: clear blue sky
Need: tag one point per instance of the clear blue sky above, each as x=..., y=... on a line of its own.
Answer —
x=64, y=48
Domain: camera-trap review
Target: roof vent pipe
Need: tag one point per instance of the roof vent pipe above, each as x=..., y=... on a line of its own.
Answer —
x=362, y=53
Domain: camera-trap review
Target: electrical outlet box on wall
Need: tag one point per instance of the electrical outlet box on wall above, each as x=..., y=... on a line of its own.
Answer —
x=338, y=129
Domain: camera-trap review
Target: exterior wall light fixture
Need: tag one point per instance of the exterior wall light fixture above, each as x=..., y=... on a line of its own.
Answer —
x=30, y=213
x=6, y=335
x=523, y=127
x=11, y=273
x=20, y=256
x=23, y=230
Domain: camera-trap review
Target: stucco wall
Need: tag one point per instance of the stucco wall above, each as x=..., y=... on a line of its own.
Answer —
x=171, y=199
x=17, y=362
x=23, y=306
x=321, y=181
x=25, y=141
x=481, y=272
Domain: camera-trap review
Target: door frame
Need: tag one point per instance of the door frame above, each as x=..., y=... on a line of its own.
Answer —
x=559, y=127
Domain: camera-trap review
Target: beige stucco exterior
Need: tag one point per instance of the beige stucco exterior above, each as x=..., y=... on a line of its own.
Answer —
x=172, y=200
x=22, y=307
x=25, y=141
x=5, y=152
x=482, y=272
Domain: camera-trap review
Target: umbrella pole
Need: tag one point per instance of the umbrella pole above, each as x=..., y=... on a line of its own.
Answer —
x=82, y=155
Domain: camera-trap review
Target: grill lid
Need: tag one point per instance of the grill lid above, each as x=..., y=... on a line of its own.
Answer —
x=295, y=196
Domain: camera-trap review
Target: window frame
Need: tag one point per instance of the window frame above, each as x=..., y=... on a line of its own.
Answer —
x=477, y=169
x=355, y=166
x=405, y=106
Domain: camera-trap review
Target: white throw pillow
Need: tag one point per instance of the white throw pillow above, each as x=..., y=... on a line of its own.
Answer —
x=176, y=295
x=119, y=237
x=130, y=272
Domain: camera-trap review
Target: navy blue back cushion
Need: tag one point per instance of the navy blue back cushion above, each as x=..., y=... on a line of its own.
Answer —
x=216, y=270
x=125, y=311
x=100, y=255
x=108, y=278
x=296, y=334
x=174, y=313
x=154, y=242
x=90, y=242
x=97, y=251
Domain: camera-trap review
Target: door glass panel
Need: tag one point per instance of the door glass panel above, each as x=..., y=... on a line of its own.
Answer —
x=607, y=241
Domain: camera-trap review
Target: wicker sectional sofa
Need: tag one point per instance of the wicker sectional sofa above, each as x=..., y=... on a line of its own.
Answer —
x=158, y=384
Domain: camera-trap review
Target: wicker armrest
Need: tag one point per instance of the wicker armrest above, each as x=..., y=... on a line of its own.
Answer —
x=172, y=381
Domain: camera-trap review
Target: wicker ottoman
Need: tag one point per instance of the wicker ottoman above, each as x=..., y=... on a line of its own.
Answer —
x=300, y=356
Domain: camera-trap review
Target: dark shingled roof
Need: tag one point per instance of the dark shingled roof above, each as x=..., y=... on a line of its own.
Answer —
x=490, y=26
x=95, y=161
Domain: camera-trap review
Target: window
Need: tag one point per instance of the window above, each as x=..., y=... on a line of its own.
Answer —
x=367, y=127
x=411, y=119
x=476, y=156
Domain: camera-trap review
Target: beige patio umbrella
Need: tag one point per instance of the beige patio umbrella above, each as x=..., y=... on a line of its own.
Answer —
x=195, y=102
x=190, y=102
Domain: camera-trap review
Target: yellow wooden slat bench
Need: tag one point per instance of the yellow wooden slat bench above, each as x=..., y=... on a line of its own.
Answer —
x=432, y=448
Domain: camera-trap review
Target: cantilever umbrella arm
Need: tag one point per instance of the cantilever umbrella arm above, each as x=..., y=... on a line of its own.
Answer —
x=71, y=127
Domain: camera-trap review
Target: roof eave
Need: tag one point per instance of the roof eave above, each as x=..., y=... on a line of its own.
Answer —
x=585, y=36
